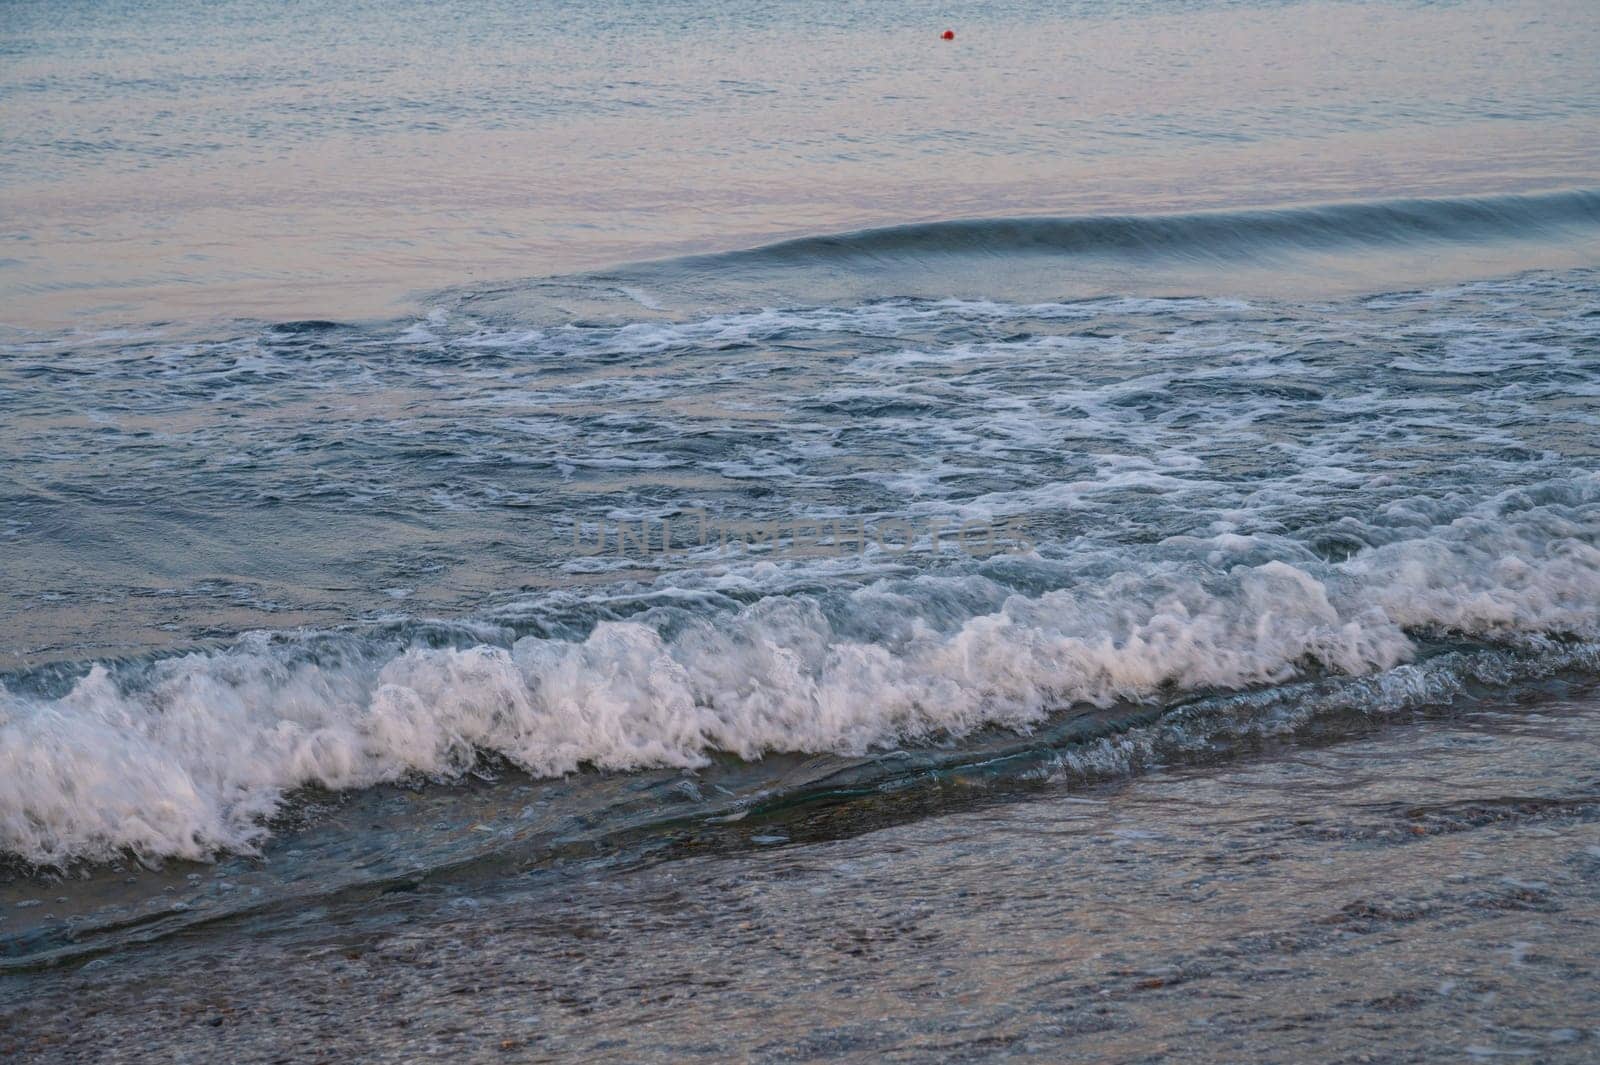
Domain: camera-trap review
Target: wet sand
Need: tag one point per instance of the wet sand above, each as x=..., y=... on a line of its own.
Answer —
x=1429, y=892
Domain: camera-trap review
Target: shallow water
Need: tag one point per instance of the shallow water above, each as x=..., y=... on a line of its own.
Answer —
x=1426, y=892
x=935, y=424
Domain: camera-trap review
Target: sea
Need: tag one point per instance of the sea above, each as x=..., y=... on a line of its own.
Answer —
x=725, y=475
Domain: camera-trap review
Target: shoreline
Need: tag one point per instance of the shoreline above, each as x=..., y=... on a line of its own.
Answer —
x=1173, y=914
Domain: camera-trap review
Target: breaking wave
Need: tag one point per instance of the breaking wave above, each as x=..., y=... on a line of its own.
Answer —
x=190, y=755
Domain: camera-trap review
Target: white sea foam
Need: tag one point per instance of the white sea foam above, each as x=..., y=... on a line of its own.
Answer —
x=190, y=755
x=1222, y=497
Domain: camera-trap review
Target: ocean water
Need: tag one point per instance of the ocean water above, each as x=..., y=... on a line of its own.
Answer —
x=181, y=160
x=443, y=440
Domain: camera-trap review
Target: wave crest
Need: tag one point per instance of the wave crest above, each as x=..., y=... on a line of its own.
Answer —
x=191, y=755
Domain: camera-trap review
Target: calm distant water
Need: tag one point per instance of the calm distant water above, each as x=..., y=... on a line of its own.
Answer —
x=667, y=411
x=178, y=160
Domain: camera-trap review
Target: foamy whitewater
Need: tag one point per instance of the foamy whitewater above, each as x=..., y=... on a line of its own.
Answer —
x=1210, y=496
x=635, y=532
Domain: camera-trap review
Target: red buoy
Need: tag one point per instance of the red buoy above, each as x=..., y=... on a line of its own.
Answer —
x=948, y=35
